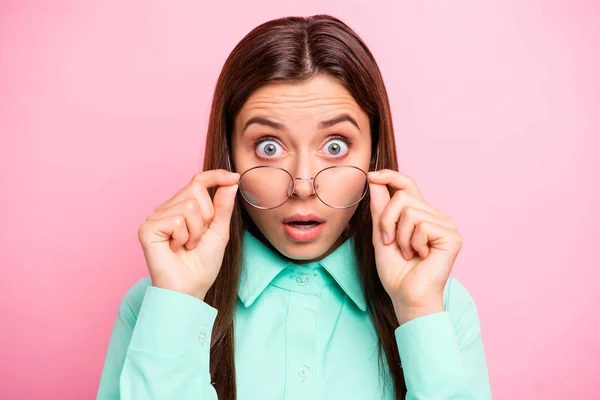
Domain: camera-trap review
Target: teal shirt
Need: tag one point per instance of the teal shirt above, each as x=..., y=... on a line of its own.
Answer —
x=301, y=332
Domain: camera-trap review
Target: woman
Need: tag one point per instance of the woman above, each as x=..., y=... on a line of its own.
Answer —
x=284, y=270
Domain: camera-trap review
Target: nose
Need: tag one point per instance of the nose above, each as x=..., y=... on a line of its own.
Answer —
x=303, y=188
x=303, y=179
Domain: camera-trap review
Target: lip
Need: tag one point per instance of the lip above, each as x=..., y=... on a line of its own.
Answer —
x=303, y=218
x=303, y=235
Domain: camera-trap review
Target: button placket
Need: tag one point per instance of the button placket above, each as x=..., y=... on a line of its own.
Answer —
x=304, y=371
x=302, y=279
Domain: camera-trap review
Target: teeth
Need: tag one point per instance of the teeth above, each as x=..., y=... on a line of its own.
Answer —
x=303, y=224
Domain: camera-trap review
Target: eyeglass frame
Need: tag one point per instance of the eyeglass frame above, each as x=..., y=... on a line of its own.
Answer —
x=314, y=186
x=229, y=168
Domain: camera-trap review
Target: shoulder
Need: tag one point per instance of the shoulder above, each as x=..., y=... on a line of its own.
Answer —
x=131, y=302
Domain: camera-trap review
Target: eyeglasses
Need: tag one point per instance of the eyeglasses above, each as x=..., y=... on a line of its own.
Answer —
x=267, y=187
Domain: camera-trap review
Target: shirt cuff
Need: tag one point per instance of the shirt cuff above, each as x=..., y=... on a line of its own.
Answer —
x=173, y=325
x=429, y=351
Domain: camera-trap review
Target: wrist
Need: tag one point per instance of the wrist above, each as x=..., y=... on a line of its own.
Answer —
x=406, y=313
x=197, y=293
x=200, y=294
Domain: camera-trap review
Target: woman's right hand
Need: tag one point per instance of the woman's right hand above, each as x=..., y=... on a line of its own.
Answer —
x=184, y=239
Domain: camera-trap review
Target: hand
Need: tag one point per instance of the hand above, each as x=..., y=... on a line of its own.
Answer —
x=406, y=224
x=184, y=239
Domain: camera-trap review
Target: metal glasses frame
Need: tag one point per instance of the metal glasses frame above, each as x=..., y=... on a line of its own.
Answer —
x=293, y=180
x=314, y=185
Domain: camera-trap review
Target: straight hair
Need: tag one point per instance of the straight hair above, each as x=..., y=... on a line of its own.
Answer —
x=295, y=49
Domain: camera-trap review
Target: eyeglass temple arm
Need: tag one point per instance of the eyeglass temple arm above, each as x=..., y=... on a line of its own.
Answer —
x=376, y=159
x=228, y=161
x=228, y=158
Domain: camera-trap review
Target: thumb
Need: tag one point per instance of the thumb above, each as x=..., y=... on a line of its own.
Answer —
x=380, y=197
x=223, y=202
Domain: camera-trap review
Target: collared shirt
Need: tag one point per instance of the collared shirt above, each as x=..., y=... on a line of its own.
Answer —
x=301, y=331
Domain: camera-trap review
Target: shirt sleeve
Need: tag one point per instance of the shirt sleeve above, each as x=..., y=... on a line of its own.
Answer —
x=160, y=352
x=442, y=354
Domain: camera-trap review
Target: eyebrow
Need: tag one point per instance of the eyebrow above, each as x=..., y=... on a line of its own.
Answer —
x=281, y=127
x=338, y=120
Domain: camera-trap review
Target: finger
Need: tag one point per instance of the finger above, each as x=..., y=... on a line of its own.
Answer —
x=190, y=211
x=409, y=220
x=429, y=235
x=196, y=192
x=180, y=234
x=207, y=209
x=202, y=180
x=393, y=211
x=396, y=180
x=216, y=177
x=223, y=202
x=380, y=196
x=172, y=229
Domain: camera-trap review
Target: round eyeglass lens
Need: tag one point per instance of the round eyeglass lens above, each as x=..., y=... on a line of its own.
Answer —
x=341, y=186
x=265, y=187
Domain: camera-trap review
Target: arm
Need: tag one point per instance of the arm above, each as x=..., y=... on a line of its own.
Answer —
x=442, y=354
x=163, y=351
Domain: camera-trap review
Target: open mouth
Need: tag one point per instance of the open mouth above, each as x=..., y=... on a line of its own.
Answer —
x=304, y=224
x=303, y=228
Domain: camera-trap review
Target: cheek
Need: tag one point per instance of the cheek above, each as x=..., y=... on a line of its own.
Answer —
x=265, y=220
x=347, y=215
x=244, y=155
x=338, y=220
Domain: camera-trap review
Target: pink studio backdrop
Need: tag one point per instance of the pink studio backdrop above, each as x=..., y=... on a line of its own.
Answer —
x=103, y=111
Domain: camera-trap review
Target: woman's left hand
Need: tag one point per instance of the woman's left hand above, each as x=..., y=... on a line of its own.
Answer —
x=406, y=224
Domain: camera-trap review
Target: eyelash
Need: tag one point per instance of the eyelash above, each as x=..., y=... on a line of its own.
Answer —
x=342, y=138
x=263, y=139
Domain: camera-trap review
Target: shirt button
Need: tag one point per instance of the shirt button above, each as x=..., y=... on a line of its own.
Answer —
x=302, y=280
x=304, y=371
x=202, y=338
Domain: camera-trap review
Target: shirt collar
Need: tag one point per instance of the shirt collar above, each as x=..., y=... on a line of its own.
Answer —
x=260, y=265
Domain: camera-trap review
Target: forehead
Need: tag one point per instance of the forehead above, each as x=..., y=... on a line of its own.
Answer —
x=318, y=97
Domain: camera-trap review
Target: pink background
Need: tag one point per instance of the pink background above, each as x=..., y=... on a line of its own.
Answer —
x=103, y=111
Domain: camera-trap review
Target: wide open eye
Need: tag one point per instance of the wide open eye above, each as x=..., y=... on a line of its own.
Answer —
x=268, y=148
x=337, y=147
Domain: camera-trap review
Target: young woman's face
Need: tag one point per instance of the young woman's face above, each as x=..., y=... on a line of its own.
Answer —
x=302, y=128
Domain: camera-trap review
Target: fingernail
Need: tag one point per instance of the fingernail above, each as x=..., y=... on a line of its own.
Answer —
x=385, y=238
x=405, y=254
x=372, y=174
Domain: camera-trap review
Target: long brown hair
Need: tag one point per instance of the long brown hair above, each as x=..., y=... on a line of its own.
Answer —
x=295, y=49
